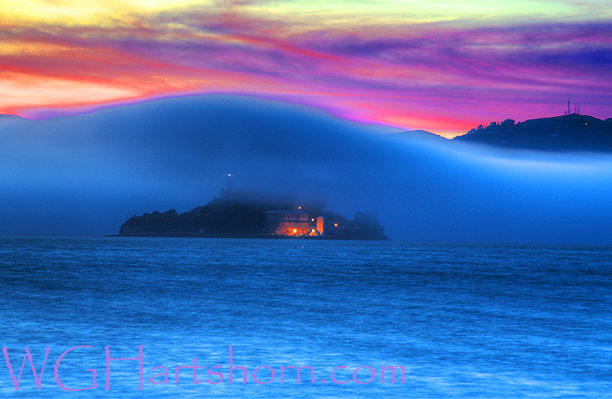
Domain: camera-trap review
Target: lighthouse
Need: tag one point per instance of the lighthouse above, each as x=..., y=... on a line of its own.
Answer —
x=228, y=193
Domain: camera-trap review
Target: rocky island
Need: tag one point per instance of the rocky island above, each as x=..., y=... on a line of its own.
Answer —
x=244, y=214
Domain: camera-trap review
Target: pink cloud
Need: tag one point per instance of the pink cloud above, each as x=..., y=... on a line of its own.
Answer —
x=442, y=78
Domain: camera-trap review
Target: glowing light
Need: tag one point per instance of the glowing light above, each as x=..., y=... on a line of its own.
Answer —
x=44, y=91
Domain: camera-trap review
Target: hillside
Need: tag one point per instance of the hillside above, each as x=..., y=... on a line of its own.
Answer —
x=418, y=135
x=562, y=133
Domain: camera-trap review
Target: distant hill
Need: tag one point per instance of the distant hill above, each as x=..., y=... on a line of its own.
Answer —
x=417, y=134
x=562, y=133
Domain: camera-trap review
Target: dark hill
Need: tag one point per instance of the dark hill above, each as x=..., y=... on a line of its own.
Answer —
x=562, y=133
x=245, y=218
x=418, y=134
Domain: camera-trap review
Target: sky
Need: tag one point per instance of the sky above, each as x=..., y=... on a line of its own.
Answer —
x=442, y=66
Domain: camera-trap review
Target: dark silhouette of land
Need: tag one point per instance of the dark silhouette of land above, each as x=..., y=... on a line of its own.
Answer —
x=242, y=215
x=418, y=135
x=572, y=132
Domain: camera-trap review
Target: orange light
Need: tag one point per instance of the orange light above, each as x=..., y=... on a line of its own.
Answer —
x=294, y=231
x=336, y=224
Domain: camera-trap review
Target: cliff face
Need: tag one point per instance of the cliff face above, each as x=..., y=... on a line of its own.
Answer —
x=236, y=218
x=157, y=223
x=562, y=133
x=220, y=218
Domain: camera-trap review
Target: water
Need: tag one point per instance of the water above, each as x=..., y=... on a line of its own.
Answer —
x=464, y=320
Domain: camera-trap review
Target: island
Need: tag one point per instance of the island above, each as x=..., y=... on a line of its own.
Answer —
x=247, y=214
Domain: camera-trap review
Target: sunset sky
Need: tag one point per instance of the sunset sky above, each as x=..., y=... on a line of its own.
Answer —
x=438, y=65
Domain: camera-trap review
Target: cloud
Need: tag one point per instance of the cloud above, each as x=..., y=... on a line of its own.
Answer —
x=87, y=174
x=419, y=72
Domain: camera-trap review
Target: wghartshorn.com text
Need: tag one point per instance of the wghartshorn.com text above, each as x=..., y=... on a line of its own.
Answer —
x=217, y=374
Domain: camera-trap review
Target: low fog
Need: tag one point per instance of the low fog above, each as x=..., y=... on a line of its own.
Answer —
x=86, y=175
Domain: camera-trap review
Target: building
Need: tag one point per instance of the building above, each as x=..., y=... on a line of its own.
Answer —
x=288, y=223
x=320, y=225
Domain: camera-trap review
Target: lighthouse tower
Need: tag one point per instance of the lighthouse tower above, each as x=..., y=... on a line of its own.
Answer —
x=228, y=193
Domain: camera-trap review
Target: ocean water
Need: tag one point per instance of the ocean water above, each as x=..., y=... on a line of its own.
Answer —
x=463, y=320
